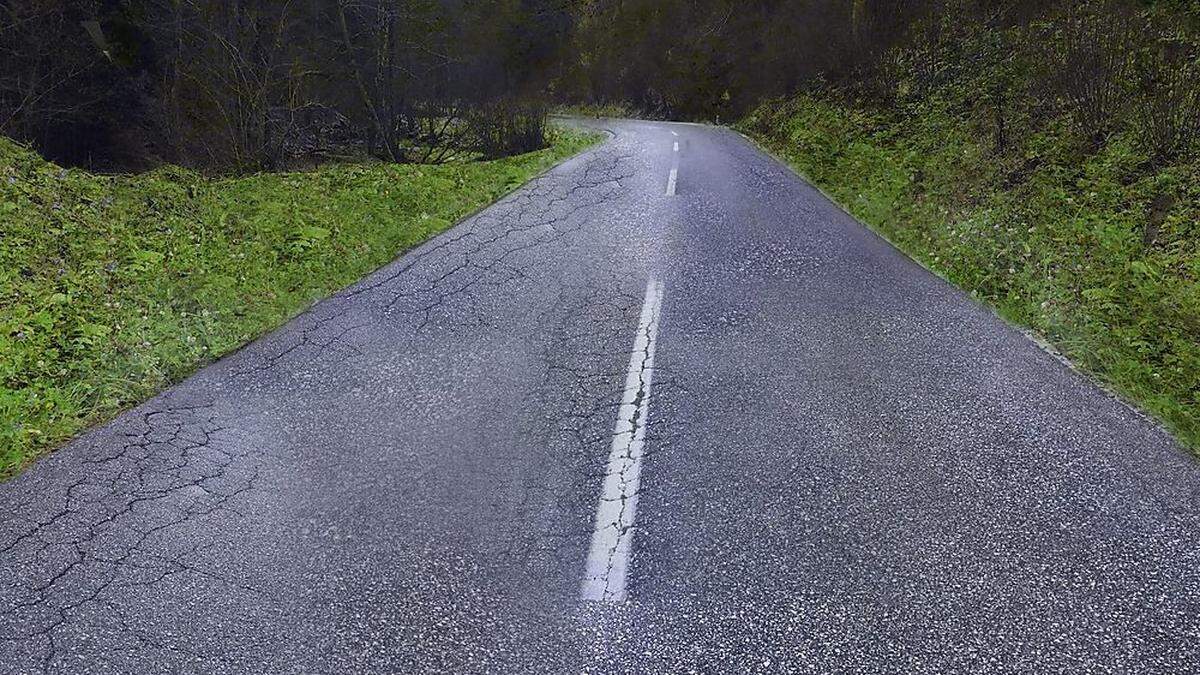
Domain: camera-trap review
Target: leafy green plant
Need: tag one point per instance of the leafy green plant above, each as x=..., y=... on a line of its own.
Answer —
x=1054, y=240
x=113, y=287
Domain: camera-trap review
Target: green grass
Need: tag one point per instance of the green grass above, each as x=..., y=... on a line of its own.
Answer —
x=112, y=288
x=1048, y=233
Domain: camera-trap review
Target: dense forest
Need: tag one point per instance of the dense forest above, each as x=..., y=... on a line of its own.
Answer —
x=242, y=84
x=250, y=84
x=719, y=59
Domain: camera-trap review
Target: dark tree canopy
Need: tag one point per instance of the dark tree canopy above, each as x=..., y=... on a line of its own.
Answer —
x=248, y=84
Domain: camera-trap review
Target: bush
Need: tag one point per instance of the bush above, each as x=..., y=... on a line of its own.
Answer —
x=1087, y=65
x=1167, y=101
x=506, y=128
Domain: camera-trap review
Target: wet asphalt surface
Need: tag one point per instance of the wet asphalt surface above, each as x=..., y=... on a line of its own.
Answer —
x=849, y=465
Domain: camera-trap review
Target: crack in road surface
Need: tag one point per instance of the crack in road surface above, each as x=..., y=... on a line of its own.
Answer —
x=139, y=509
x=486, y=251
x=612, y=539
x=405, y=477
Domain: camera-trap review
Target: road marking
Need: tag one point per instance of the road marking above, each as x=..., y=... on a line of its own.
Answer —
x=612, y=538
x=671, y=182
x=674, y=134
x=676, y=146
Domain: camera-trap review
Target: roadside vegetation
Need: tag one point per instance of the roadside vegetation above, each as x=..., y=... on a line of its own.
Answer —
x=1042, y=155
x=260, y=154
x=259, y=85
x=112, y=287
x=1083, y=248
x=1050, y=168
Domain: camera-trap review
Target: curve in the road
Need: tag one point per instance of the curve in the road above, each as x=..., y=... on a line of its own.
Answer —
x=843, y=464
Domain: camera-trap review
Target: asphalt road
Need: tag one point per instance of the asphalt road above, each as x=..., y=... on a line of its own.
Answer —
x=627, y=419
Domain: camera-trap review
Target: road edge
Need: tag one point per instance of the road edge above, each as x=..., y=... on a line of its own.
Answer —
x=1029, y=334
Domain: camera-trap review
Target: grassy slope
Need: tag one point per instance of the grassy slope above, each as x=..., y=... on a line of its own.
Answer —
x=1048, y=235
x=113, y=287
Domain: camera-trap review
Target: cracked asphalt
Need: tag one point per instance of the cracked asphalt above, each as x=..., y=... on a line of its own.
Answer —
x=848, y=464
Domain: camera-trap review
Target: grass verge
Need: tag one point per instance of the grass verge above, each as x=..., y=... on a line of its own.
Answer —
x=112, y=288
x=1097, y=251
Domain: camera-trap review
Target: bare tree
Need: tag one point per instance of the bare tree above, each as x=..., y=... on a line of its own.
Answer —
x=1088, y=63
x=52, y=78
x=232, y=83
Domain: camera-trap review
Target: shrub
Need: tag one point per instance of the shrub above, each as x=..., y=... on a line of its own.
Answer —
x=503, y=128
x=1087, y=65
x=1167, y=102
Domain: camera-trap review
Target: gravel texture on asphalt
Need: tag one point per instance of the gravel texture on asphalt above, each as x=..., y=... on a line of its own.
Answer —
x=849, y=465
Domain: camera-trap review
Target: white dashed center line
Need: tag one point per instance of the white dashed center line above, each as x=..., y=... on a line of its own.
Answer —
x=612, y=538
x=671, y=182
x=676, y=146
